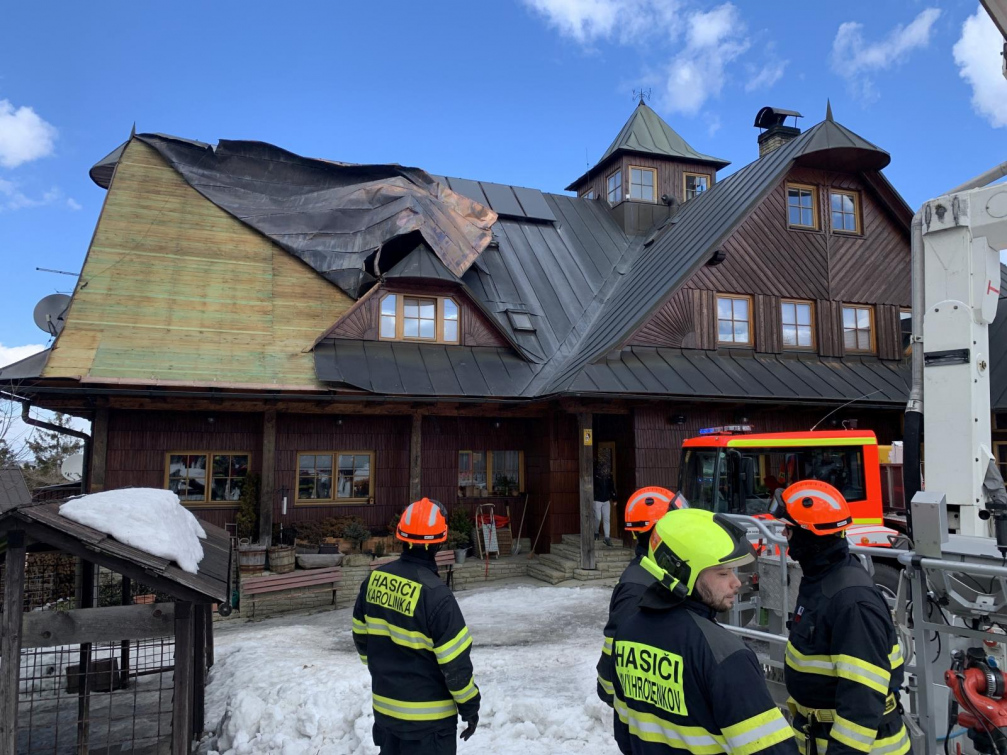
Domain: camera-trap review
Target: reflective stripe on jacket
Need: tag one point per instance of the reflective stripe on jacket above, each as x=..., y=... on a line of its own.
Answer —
x=625, y=597
x=410, y=633
x=844, y=666
x=683, y=682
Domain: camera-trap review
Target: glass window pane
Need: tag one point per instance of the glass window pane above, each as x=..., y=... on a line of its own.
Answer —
x=740, y=309
x=451, y=331
x=724, y=309
x=411, y=328
x=864, y=340
x=635, y=175
x=361, y=487
x=239, y=465
x=648, y=178
x=863, y=318
x=725, y=333
x=177, y=464
x=218, y=490
x=221, y=465
x=428, y=309
x=838, y=221
x=346, y=464
x=450, y=310
x=788, y=315
x=849, y=223
x=837, y=203
x=345, y=487
x=388, y=305
x=848, y=203
x=806, y=199
x=849, y=317
x=804, y=336
x=803, y=314
x=362, y=464
x=306, y=487
x=789, y=335
x=307, y=462
x=850, y=339
x=794, y=216
x=323, y=463
x=387, y=327
x=411, y=308
x=324, y=485
x=234, y=488
x=635, y=191
x=807, y=218
x=741, y=332
x=428, y=329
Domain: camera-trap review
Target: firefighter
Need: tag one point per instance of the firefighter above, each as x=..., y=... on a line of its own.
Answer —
x=843, y=662
x=646, y=506
x=410, y=633
x=682, y=681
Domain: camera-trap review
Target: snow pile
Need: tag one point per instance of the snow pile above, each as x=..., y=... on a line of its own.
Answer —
x=294, y=685
x=145, y=518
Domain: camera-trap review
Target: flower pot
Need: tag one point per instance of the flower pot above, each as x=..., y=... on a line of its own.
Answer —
x=251, y=557
x=281, y=559
x=460, y=555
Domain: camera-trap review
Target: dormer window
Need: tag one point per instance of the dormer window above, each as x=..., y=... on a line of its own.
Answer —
x=642, y=183
x=695, y=184
x=419, y=318
x=614, y=184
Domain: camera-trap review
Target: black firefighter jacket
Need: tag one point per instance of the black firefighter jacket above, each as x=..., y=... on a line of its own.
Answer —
x=843, y=662
x=625, y=597
x=683, y=682
x=409, y=631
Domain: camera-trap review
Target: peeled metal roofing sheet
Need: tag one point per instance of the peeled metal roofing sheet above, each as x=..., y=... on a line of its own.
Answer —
x=467, y=188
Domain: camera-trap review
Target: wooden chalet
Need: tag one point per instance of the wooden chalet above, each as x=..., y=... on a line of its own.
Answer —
x=363, y=335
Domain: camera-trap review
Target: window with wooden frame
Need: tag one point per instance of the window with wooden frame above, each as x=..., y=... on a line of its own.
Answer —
x=802, y=206
x=906, y=330
x=482, y=473
x=419, y=318
x=734, y=320
x=695, y=184
x=613, y=185
x=331, y=477
x=845, y=211
x=858, y=328
x=209, y=478
x=797, y=318
x=589, y=194
x=643, y=184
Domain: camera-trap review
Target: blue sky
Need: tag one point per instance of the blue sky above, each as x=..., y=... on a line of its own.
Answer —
x=523, y=91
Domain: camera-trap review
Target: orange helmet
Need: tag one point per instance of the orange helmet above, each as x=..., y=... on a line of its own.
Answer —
x=647, y=505
x=423, y=523
x=813, y=505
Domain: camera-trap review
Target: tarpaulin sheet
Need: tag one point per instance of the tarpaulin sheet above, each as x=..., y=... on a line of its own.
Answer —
x=334, y=216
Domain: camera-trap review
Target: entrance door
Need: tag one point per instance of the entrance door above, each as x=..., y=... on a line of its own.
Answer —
x=606, y=454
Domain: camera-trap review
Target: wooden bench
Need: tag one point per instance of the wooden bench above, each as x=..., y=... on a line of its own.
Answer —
x=324, y=580
x=443, y=558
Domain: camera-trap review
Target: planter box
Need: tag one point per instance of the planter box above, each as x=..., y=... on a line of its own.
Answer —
x=319, y=560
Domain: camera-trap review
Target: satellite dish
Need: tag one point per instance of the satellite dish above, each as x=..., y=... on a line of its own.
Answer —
x=72, y=467
x=49, y=313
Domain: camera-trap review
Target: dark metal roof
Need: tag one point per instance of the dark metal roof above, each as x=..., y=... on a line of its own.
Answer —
x=211, y=579
x=13, y=490
x=506, y=201
x=421, y=263
x=25, y=369
x=695, y=232
x=647, y=133
x=745, y=375
x=333, y=216
x=414, y=369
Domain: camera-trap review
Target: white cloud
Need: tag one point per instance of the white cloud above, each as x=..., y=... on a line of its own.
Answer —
x=714, y=125
x=11, y=354
x=856, y=60
x=24, y=136
x=978, y=56
x=766, y=76
x=626, y=21
x=13, y=198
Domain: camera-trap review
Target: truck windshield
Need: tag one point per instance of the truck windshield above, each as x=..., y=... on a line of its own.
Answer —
x=742, y=480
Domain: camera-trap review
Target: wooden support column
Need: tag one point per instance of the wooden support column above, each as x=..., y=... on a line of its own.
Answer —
x=199, y=669
x=126, y=600
x=208, y=618
x=85, y=599
x=10, y=640
x=267, y=490
x=181, y=714
x=585, y=442
x=99, y=450
x=416, y=459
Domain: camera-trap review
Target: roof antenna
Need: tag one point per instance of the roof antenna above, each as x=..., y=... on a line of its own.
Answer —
x=842, y=406
x=828, y=110
x=642, y=94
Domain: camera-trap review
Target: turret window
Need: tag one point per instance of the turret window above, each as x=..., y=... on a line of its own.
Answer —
x=642, y=184
x=695, y=184
x=419, y=318
x=614, y=184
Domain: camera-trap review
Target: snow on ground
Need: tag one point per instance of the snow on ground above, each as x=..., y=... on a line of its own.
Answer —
x=295, y=686
x=145, y=518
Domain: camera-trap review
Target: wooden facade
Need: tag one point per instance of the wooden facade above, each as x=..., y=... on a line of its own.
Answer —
x=770, y=261
x=670, y=175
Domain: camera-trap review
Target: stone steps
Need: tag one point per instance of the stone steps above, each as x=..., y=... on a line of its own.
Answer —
x=545, y=573
x=602, y=555
x=574, y=542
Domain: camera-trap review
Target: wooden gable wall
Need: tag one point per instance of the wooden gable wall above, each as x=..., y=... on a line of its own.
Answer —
x=175, y=289
x=769, y=262
x=670, y=175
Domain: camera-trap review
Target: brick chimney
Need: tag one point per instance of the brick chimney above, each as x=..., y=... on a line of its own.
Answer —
x=775, y=132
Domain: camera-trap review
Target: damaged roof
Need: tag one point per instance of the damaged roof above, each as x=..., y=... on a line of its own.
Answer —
x=584, y=284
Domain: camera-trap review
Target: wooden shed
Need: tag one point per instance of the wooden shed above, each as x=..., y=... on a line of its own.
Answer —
x=120, y=665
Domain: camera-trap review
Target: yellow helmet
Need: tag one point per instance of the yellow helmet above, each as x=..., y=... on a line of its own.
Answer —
x=686, y=541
